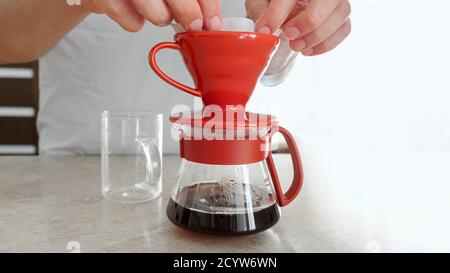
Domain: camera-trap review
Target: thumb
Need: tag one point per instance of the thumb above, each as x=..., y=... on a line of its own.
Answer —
x=256, y=8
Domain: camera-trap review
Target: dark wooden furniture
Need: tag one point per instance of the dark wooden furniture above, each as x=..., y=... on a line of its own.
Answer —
x=18, y=108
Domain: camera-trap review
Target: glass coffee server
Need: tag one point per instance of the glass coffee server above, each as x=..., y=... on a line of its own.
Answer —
x=227, y=182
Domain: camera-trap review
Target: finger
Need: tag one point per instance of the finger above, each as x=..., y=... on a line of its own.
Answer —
x=332, y=42
x=315, y=14
x=256, y=8
x=154, y=11
x=275, y=15
x=301, y=6
x=90, y=6
x=324, y=31
x=188, y=13
x=212, y=14
x=123, y=12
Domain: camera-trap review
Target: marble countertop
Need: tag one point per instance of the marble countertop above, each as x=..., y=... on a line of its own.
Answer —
x=54, y=204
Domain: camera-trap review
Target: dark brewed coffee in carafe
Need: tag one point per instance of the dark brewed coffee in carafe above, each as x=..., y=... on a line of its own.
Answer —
x=224, y=208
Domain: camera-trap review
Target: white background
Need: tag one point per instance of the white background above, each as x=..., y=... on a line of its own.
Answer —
x=373, y=119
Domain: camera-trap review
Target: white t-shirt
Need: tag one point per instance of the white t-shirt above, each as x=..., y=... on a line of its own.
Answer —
x=98, y=66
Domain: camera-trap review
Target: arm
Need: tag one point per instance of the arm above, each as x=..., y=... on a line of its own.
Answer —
x=30, y=28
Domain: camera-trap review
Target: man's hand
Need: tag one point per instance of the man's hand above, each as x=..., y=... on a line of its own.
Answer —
x=314, y=27
x=193, y=15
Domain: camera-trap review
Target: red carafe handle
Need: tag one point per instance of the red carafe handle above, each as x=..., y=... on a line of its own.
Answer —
x=162, y=75
x=296, y=185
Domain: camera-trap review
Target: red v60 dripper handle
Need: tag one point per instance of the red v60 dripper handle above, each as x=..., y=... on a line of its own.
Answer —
x=164, y=76
x=296, y=185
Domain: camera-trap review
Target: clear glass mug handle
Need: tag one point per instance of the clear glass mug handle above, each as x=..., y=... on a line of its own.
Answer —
x=152, y=159
x=154, y=65
x=297, y=182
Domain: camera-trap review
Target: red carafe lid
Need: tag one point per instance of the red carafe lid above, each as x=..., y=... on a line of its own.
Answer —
x=233, y=121
x=249, y=143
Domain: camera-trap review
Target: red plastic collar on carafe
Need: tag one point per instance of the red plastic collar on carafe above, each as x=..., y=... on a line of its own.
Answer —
x=225, y=151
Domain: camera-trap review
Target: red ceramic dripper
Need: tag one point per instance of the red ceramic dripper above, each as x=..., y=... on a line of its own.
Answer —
x=225, y=66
